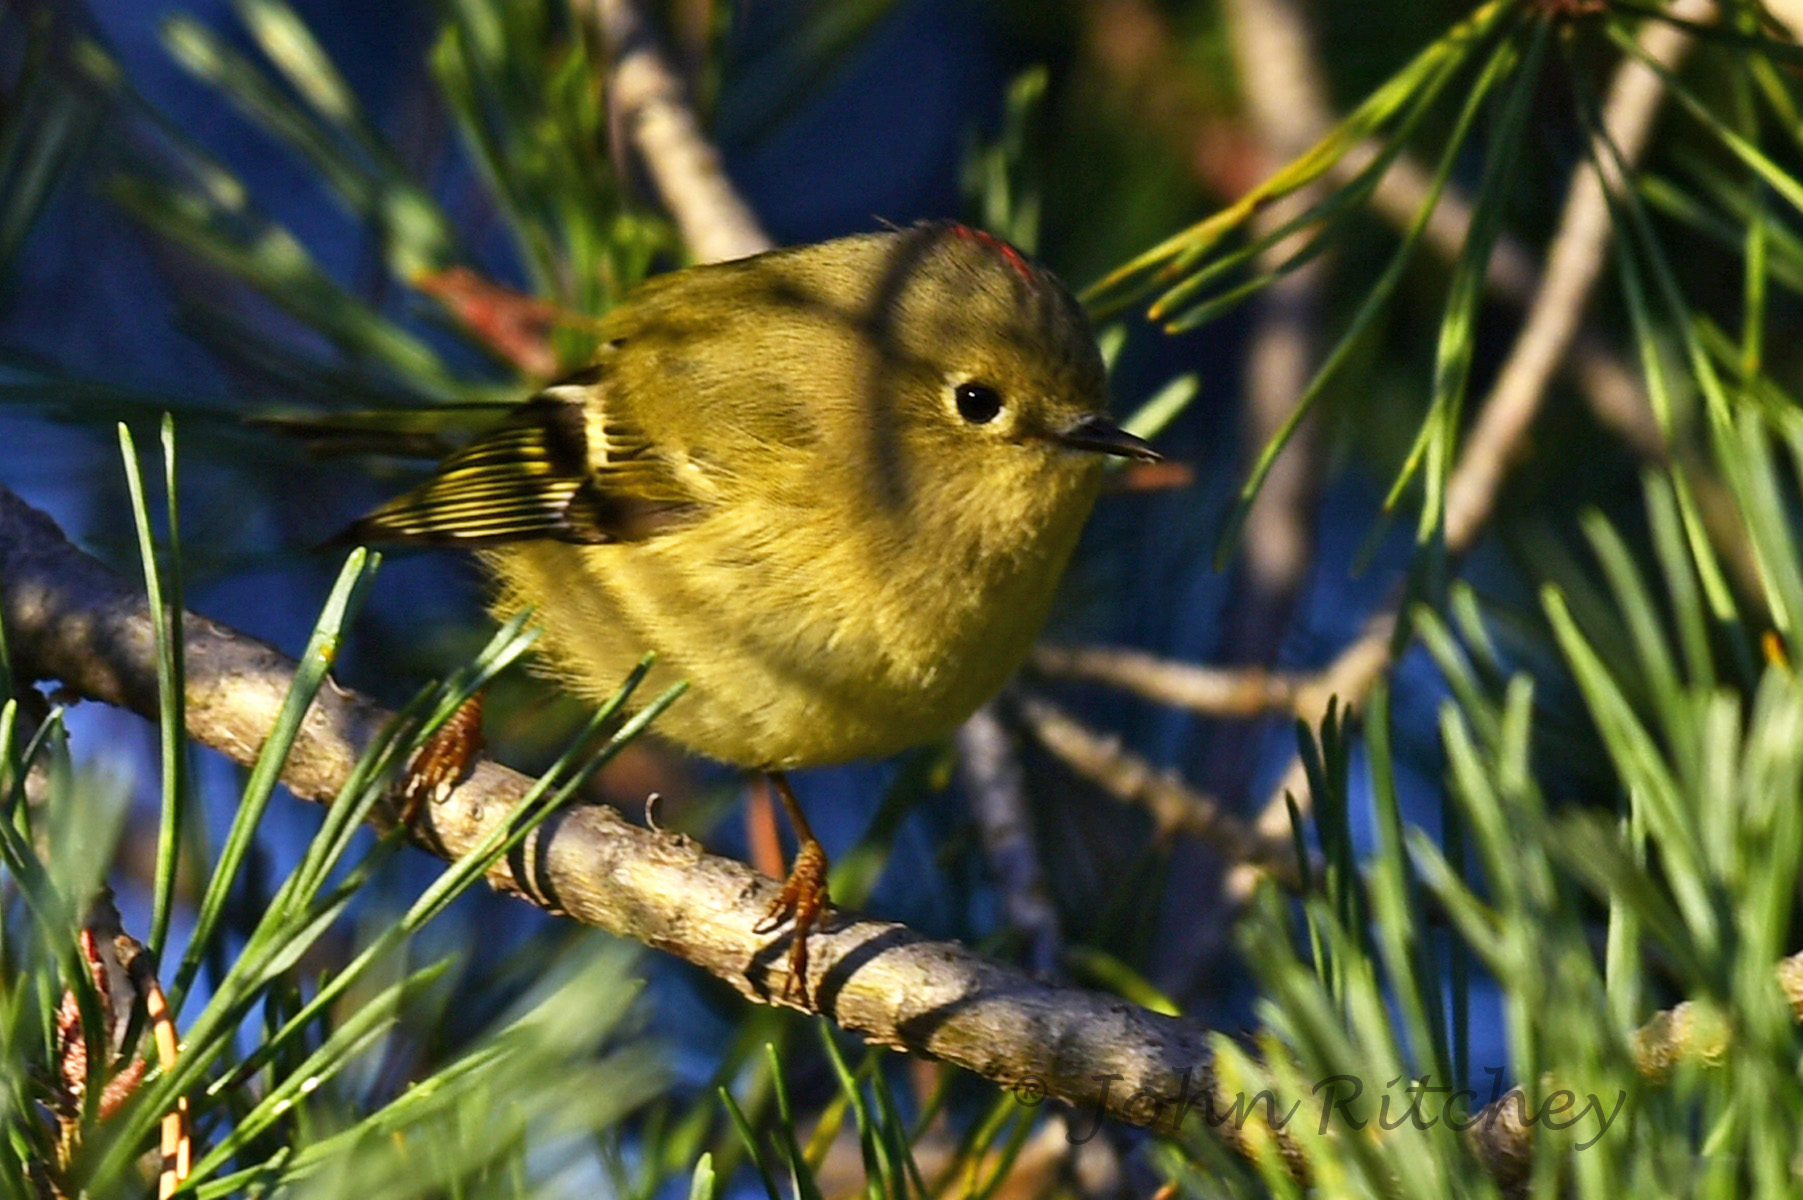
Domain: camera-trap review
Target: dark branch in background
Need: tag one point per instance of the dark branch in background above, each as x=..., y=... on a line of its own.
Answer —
x=1281, y=86
x=989, y=770
x=1278, y=85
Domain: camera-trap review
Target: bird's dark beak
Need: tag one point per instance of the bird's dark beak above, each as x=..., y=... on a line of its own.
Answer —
x=1097, y=433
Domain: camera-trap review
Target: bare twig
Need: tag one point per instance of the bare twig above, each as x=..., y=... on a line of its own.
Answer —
x=651, y=105
x=1490, y=450
x=1208, y=691
x=1176, y=808
x=1232, y=692
x=989, y=768
x=763, y=839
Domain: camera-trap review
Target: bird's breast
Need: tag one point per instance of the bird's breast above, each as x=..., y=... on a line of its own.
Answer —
x=806, y=637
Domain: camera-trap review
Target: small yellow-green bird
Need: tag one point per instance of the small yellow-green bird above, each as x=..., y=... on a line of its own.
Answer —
x=833, y=487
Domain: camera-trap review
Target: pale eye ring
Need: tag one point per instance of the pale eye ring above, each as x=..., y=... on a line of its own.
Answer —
x=978, y=403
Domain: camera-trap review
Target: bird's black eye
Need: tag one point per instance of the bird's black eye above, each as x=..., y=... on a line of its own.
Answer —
x=978, y=403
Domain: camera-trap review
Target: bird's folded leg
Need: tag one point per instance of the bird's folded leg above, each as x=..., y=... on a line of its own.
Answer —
x=804, y=896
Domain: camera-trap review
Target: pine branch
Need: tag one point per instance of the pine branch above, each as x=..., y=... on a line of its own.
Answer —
x=68, y=617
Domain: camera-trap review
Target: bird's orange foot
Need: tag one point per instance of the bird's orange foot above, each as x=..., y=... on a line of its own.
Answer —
x=802, y=901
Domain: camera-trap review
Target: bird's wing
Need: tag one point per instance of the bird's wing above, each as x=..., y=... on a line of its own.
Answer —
x=568, y=465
